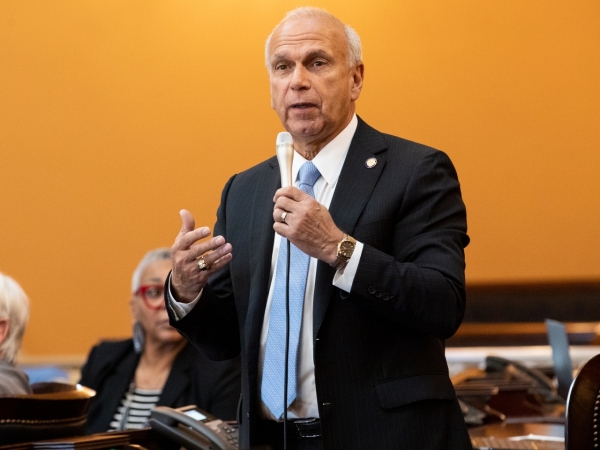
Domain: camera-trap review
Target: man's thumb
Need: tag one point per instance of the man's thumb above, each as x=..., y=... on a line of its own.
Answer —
x=187, y=221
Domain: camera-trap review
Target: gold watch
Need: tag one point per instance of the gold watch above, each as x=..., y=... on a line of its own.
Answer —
x=345, y=249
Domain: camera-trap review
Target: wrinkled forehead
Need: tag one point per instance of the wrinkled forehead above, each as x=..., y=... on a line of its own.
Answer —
x=309, y=31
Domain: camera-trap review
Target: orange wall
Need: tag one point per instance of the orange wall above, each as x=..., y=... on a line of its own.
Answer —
x=116, y=114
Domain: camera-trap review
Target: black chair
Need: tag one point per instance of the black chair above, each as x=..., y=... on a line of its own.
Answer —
x=583, y=407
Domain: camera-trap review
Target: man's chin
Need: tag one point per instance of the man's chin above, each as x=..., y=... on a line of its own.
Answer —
x=304, y=129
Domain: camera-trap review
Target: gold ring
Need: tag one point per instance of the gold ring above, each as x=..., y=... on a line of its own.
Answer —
x=283, y=215
x=202, y=264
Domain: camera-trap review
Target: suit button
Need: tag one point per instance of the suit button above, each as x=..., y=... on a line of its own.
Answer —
x=385, y=297
x=371, y=290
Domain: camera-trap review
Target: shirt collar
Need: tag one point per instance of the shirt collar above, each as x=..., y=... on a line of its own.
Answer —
x=331, y=158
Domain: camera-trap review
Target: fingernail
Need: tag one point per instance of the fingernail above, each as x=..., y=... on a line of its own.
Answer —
x=220, y=240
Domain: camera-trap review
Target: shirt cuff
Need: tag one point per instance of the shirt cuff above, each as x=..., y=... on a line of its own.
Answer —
x=344, y=278
x=180, y=310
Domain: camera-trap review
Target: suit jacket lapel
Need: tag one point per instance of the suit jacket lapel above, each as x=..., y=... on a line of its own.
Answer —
x=353, y=190
x=261, y=237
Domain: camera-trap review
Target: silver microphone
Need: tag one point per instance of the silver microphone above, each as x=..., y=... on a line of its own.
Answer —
x=285, y=155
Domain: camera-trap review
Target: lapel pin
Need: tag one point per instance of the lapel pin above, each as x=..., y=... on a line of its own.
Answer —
x=371, y=162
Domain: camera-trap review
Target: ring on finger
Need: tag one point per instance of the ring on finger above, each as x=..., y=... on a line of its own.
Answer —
x=202, y=264
x=283, y=216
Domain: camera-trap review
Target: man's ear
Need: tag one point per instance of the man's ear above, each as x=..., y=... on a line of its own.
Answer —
x=271, y=92
x=358, y=76
x=4, y=325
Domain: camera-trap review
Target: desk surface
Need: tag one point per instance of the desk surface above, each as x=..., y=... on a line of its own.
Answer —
x=146, y=439
x=502, y=430
x=534, y=355
x=541, y=435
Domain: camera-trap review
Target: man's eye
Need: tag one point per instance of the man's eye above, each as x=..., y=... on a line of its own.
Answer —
x=319, y=63
x=280, y=67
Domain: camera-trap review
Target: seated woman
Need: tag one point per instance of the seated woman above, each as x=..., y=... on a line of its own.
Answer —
x=14, y=314
x=157, y=367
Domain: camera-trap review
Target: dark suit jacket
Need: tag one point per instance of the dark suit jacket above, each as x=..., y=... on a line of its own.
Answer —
x=381, y=375
x=194, y=380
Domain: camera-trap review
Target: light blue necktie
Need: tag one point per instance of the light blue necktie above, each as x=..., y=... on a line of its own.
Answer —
x=273, y=368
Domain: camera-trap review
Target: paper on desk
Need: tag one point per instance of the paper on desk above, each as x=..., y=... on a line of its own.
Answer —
x=537, y=437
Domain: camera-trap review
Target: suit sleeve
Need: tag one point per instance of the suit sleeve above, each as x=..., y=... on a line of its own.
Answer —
x=417, y=280
x=226, y=391
x=212, y=324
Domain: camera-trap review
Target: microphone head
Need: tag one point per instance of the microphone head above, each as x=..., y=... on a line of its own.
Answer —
x=284, y=138
x=285, y=154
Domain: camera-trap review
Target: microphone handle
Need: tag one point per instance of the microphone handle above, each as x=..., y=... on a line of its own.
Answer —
x=285, y=155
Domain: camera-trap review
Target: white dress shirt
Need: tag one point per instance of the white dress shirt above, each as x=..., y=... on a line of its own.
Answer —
x=329, y=161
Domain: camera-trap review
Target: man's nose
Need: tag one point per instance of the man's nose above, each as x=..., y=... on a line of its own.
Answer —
x=300, y=78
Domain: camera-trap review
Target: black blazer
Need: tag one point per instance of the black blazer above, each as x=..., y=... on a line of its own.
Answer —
x=194, y=379
x=381, y=374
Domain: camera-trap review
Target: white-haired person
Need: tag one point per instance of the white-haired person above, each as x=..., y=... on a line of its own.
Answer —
x=14, y=315
x=376, y=228
x=156, y=367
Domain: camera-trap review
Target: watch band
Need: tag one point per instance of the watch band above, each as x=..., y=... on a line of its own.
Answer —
x=344, y=252
x=339, y=264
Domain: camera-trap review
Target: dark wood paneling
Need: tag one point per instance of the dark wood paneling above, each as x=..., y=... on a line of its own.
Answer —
x=533, y=302
x=472, y=334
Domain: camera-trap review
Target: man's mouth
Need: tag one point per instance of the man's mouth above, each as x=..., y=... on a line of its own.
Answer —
x=303, y=105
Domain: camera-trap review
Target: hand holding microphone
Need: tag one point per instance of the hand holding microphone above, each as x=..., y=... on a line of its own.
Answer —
x=298, y=216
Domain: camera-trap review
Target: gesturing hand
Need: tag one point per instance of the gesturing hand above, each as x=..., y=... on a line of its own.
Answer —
x=187, y=280
x=308, y=224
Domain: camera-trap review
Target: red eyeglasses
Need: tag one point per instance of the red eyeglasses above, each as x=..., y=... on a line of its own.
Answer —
x=152, y=294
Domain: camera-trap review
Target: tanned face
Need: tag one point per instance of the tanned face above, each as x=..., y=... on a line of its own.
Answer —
x=313, y=88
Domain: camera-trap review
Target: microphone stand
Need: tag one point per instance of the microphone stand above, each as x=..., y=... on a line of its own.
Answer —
x=285, y=154
x=287, y=344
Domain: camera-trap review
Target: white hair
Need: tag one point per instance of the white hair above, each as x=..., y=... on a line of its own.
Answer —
x=14, y=306
x=309, y=12
x=152, y=256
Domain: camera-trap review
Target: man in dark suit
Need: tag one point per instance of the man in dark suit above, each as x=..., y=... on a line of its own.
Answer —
x=385, y=228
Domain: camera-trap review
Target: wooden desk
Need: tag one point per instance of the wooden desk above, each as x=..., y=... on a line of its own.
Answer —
x=529, y=430
x=144, y=439
x=477, y=334
x=463, y=358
